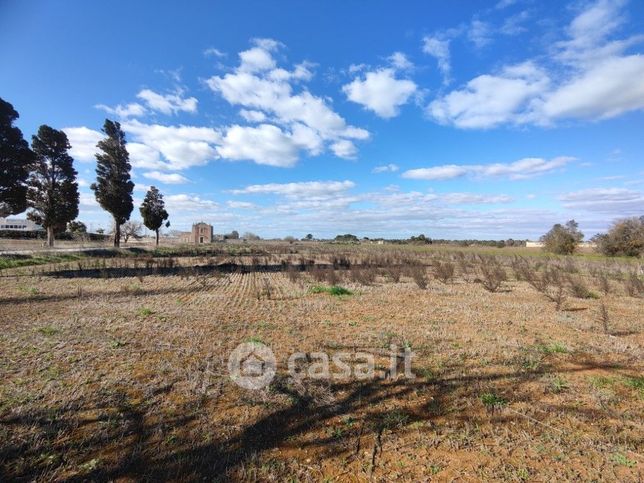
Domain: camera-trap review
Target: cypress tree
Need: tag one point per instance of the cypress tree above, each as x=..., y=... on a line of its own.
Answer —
x=113, y=187
x=15, y=162
x=153, y=211
x=53, y=190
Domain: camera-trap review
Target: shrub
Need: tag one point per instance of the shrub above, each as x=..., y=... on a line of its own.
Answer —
x=492, y=273
x=579, y=288
x=634, y=285
x=625, y=238
x=419, y=275
x=562, y=239
x=444, y=271
x=334, y=290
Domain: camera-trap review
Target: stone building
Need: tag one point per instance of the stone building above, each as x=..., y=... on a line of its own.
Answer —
x=201, y=233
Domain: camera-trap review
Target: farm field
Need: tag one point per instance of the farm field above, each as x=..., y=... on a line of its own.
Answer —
x=527, y=368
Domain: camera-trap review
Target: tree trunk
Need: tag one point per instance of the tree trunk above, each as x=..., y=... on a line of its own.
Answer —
x=117, y=235
x=157, y=232
x=50, y=236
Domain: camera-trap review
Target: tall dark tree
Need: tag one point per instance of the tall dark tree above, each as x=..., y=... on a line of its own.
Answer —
x=113, y=187
x=153, y=211
x=15, y=161
x=53, y=190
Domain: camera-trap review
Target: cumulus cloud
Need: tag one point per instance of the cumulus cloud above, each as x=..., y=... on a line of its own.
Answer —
x=214, y=52
x=439, y=49
x=83, y=142
x=479, y=33
x=474, y=198
x=134, y=109
x=589, y=76
x=181, y=146
x=622, y=201
x=189, y=203
x=303, y=188
x=241, y=205
x=489, y=100
x=380, y=91
x=264, y=144
x=521, y=169
x=400, y=61
x=265, y=91
x=386, y=168
x=166, y=178
x=168, y=103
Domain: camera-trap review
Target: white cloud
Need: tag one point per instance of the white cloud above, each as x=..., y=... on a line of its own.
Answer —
x=145, y=157
x=266, y=91
x=380, y=91
x=606, y=90
x=134, y=109
x=490, y=100
x=252, y=116
x=387, y=168
x=623, y=201
x=212, y=51
x=188, y=203
x=166, y=178
x=299, y=189
x=181, y=146
x=588, y=76
x=479, y=33
x=344, y=149
x=241, y=205
x=83, y=141
x=439, y=49
x=521, y=169
x=168, y=103
x=474, y=198
x=264, y=144
x=400, y=61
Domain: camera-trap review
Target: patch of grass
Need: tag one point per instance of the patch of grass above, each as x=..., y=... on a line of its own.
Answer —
x=115, y=344
x=492, y=401
x=255, y=340
x=394, y=419
x=48, y=330
x=635, y=383
x=558, y=384
x=144, y=312
x=553, y=348
x=623, y=460
x=333, y=290
x=600, y=382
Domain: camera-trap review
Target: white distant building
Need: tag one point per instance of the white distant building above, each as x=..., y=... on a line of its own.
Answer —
x=538, y=244
x=18, y=224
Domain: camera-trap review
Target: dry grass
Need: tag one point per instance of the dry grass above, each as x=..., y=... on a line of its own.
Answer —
x=116, y=370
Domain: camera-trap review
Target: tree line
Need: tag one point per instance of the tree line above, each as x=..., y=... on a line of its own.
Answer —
x=42, y=178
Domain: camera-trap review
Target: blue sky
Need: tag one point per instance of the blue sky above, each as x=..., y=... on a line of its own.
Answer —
x=454, y=119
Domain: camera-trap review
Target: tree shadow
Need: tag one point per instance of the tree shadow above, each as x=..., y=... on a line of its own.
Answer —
x=133, y=433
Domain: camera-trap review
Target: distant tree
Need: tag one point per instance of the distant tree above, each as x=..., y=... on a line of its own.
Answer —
x=420, y=239
x=309, y=237
x=233, y=235
x=15, y=162
x=76, y=227
x=53, y=190
x=562, y=239
x=131, y=229
x=100, y=231
x=153, y=211
x=624, y=238
x=290, y=239
x=250, y=236
x=347, y=238
x=113, y=187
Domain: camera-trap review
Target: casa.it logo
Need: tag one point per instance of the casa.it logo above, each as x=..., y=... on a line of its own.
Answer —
x=252, y=365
